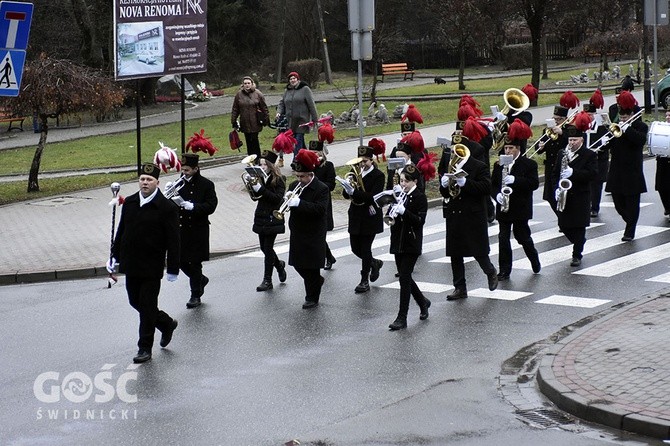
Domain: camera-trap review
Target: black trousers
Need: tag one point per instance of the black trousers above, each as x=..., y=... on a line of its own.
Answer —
x=665, y=199
x=522, y=235
x=193, y=271
x=408, y=287
x=267, y=244
x=313, y=281
x=253, y=146
x=361, y=246
x=458, y=269
x=628, y=206
x=596, y=194
x=577, y=237
x=143, y=297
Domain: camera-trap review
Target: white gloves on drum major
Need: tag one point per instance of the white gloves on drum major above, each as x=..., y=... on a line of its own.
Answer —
x=444, y=181
x=294, y=202
x=256, y=187
x=460, y=181
x=499, y=198
x=566, y=173
x=111, y=264
x=187, y=205
x=509, y=179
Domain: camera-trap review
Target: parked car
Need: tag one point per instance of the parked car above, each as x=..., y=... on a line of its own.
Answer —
x=146, y=57
x=664, y=91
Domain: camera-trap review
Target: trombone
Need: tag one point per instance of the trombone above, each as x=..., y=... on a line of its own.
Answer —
x=284, y=208
x=550, y=133
x=250, y=180
x=616, y=130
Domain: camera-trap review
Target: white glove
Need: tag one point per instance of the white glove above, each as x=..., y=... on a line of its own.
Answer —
x=256, y=187
x=605, y=140
x=187, y=205
x=397, y=189
x=400, y=208
x=172, y=277
x=247, y=177
x=500, y=116
x=348, y=188
x=509, y=179
x=499, y=198
x=111, y=263
x=444, y=181
x=294, y=202
x=566, y=173
x=557, y=193
x=460, y=181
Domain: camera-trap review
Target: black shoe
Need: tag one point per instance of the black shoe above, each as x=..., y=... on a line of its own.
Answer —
x=503, y=276
x=362, y=287
x=491, y=219
x=167, y=334
x=594, y=214
x=535, y=264
x=424, y=310
x=493, y=280
x=142, y=356
x=397, y=274
x=374, y=270
x=575, y=261
x=193, y=302
x=281, y=270
x=329, y=264
x=204, y=282
x=627, y=238
x=458, y=294
x=398, y=324
x=265, y=285
x=310, y=304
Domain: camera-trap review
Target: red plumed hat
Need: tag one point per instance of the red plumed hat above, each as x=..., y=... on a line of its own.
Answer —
x=200, y=143
x=466, y=110
x=415, y=141
x=473, y=130
x=166, y=158
x=569, y=100
x=519, y=130
x=530, y=91
x=582, y=121
x=305, y=161
x=412, y=115
x=426, y=166
x=326, y=133
x=378, y=147
x=626, y=100
x=597, y=99
x=466, y=99
x=284, y=142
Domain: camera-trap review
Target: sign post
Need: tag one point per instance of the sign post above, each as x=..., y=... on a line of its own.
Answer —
x=361, y=25
x=655, y=13
x=15, y=19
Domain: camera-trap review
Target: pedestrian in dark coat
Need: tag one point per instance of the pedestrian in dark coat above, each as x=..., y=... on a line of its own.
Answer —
x=662, y=179
x=270, y=194
x=198, y=202
x=147, y=232
x=325, y=172
x=407, y=241
x=625, y=179
x=298, y=105
x=464, y=210
x=521, y=177
x=579, y=165
x=308, y=225
x=249, y=105
x=365, y=217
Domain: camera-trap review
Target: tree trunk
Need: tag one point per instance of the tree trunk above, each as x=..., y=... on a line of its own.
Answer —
x=545, y=71
x=33, y=184
x=461, y=67
x=91, y=52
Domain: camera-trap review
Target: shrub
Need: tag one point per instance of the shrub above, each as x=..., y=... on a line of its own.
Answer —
x=515, y=57
x=309, y=70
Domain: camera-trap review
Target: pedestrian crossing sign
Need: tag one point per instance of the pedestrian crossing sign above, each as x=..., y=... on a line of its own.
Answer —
x=11, y=69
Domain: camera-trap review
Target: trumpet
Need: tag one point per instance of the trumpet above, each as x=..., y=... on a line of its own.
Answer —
x=284, y=208
x=172, y=188
x=392, y=213
x=616, y=130
x=250, y=180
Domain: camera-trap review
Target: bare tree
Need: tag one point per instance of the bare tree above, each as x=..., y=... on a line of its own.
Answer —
x=52, y=87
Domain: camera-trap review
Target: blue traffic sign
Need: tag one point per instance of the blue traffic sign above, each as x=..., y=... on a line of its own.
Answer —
x=11, y=69
x=15, y=18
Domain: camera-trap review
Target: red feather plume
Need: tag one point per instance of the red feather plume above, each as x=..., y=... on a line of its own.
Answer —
x=582, y=121
x=466, y=99
x=426, y=166
x=378, y=147
x=415, y=141
x=519, y=130
x=569, y=100
x=307, y=158
x=284, y=142
x=530, y=91
x=466, y=110
x=473, y=130
x=200, y=143
x=326, y=133
x=412, y=115
x=597, y=99
x=626, y=100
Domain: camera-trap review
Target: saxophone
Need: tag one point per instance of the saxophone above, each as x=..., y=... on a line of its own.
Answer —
x=506, y=191
x=564, y=184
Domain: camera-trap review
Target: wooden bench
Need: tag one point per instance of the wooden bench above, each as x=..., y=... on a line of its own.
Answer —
x=389, y=69
x=7, y=116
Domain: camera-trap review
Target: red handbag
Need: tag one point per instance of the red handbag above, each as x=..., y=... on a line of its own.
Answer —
x=234, y=139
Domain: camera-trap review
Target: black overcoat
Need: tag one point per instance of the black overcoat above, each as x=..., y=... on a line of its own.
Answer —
x=407, y=232
x=551, y=150
x=307, y=223
x=625, y=174
x=271, y=197
x=577, y=212
x=326, y=174
x=146, y=235
x=662, y=180
x=364, y=219
x=194, y=224
x=525, y=182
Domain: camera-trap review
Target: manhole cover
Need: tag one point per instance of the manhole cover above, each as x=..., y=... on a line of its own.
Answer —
x=59, y=201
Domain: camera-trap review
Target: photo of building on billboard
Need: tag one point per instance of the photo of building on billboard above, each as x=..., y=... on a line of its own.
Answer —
x=154, y=39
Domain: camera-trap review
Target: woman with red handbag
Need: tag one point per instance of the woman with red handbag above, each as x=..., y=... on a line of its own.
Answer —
x=249, y=106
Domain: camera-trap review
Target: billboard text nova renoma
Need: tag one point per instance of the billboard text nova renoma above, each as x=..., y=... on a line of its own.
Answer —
x=158, y=37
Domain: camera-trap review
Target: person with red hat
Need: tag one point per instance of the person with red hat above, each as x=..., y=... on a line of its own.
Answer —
x=595, y=141
x=579, y=165
x=551, y=148
x=307, y=198
x=325, y=172
x=297, y=104
x=625, y=179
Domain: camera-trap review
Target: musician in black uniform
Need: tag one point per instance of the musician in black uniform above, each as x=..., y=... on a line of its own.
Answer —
x=407, y=241
x=625, y=179
x=551, y=148
x=325, y=172
x=403, y=150
x=148, y=230
x=464, y=210
x=579, y=165
x=199, y=203
x=594, y=141
x=270, y=195
x=662, y=179
x=365, y=218
x=522, y=178
x=308, y=224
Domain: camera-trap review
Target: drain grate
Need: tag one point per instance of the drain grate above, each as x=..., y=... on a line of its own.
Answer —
x=545, y=417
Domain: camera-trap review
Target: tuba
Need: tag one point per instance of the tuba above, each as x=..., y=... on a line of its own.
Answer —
x=353, y=178
x=249, y=179
x=564, y=184
x=516, y=100
x=459, y=152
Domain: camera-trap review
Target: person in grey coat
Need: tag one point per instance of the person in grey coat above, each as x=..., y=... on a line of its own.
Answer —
x=298, y=105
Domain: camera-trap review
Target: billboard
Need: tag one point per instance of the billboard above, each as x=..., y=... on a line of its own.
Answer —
x=158, y=37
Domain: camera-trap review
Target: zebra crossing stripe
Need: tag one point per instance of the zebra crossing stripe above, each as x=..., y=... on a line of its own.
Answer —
x=664, y=278
x=628, y=262
x=426, y=287
x=603, y=204
x=564, y=253
x=498, y=294
x=572, y=301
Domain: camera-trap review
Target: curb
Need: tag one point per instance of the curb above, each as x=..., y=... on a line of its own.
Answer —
x=596, y=410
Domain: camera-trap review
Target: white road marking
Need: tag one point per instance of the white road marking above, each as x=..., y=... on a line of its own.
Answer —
x=572, y=301
x=628, y=262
